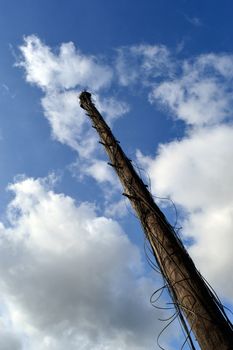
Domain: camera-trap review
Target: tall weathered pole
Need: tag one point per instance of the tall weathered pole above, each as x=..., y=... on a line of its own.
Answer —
x=189, y=291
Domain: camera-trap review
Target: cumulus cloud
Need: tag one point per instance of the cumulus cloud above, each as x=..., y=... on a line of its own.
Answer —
x=212, y=249
x=64, y=69
x=197, y=90
x=66, y=121
x=99, y=170
x=70, y=278
x=202, y=93
x=62, y=74
x=199, y=161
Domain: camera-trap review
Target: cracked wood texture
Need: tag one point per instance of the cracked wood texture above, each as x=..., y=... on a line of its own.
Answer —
x=190, y=294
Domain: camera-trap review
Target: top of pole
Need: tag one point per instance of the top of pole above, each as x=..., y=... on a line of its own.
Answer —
x=85, y=98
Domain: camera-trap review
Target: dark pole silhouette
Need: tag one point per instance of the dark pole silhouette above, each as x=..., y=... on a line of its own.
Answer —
x=190, y=293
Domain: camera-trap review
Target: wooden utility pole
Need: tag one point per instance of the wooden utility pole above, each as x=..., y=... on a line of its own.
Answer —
x=190, y=294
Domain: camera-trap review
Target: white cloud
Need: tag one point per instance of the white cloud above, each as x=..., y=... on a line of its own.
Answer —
x=69, y=278
x=68, y=122
x=191, y=169
x=212, y=249
x=97, y=169
x=197, y=90
x=202, y=94
x=62, y=74
x=64, y=69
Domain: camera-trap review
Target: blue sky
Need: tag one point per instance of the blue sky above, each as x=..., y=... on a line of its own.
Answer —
x=73, y=268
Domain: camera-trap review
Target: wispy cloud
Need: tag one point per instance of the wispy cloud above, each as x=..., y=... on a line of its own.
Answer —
x=7, y=91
